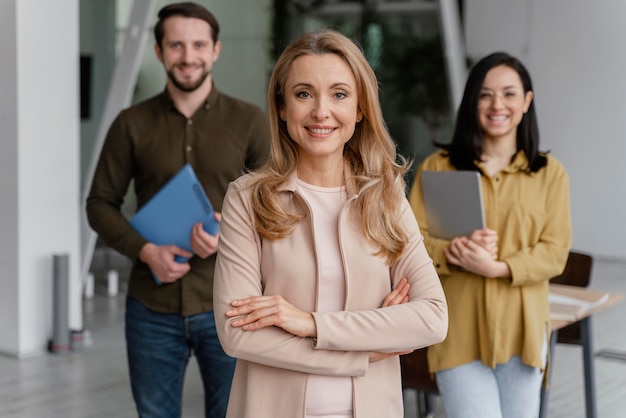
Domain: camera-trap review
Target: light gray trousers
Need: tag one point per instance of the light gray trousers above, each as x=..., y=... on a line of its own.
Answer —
x=473, y=390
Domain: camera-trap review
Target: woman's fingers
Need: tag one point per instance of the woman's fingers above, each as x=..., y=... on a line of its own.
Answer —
x=247, y=305
x=265, y=311
x=400, y=294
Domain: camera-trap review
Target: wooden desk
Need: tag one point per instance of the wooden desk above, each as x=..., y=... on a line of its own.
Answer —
x=419, y=378
x=587, y=347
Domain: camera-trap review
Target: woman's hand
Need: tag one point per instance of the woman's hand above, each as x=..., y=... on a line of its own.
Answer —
x=377, y=356
x=258, y=312
x=486, y=238
x=399, y=295
x=474, y=258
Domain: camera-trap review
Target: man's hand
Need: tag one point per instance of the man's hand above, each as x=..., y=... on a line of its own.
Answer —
x=160, y=259
x=203, y=243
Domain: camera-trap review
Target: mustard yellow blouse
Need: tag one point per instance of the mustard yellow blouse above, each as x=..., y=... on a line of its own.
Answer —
x=493, y=319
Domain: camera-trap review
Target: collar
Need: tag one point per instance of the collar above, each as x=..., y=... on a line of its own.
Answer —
x=291, y=182
x=517, y=164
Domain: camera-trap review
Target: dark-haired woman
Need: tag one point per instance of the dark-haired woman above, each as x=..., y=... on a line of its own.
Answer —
x=496, y=279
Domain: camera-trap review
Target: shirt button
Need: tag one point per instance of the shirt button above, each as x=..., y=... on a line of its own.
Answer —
x=188, y=148
x=189, y=122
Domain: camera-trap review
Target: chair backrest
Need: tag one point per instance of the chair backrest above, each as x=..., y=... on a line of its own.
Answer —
x=415, y=374
x=577, y=273
x=577, y=270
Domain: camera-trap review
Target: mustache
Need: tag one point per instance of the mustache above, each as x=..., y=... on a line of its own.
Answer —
x=187, y=65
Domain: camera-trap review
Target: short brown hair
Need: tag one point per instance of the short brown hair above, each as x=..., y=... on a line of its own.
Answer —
x=187, y=9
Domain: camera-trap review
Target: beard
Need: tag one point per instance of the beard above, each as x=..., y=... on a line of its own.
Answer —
x=188, y=86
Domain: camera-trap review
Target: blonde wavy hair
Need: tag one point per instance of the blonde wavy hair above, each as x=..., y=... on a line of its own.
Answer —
x=378, y=171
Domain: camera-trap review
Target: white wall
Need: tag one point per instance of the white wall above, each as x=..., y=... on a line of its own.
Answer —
x=575, y=54
x=8, y=180
x=39, y=147
x=243, y=70
x=39, y=172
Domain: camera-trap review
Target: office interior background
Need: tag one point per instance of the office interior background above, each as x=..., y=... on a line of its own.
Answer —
x=574, y=51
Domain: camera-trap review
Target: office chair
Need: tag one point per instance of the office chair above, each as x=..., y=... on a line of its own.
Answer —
x=415, y=376
x=577, y=273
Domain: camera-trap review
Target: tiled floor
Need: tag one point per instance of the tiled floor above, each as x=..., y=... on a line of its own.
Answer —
x=94, y=382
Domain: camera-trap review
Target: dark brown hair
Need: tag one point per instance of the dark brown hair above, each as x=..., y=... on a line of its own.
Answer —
x=187, y=9
x=467, y=141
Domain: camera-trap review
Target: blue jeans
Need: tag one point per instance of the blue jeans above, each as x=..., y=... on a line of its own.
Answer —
x=473, y=390
x=158, y=348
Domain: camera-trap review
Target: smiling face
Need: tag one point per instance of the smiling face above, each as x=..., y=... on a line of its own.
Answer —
x=187, y=52
x=502, y=103
x=321, y=108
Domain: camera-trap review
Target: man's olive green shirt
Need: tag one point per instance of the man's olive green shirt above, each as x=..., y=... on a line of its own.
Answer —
x=493, y=319
x=147, y=144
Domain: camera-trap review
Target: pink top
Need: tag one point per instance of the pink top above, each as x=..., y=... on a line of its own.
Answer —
x=328, y=396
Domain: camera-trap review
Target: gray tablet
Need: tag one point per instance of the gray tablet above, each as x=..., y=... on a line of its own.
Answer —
x=454, y=203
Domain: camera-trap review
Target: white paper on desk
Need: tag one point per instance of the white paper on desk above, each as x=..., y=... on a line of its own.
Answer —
x=583, y=304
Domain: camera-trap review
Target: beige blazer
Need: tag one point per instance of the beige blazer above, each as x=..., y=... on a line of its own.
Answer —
x=273, y=365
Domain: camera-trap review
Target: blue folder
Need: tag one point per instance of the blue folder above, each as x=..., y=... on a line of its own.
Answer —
x=168, y=217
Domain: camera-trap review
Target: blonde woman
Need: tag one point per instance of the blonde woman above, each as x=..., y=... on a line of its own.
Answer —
x=322, y=277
